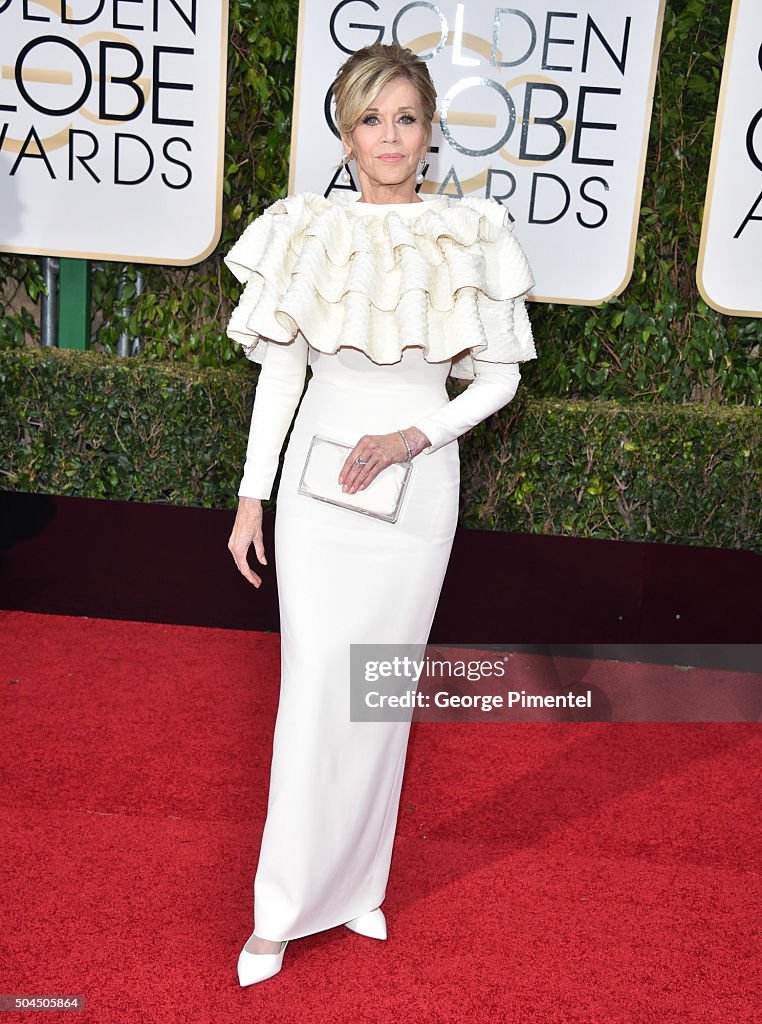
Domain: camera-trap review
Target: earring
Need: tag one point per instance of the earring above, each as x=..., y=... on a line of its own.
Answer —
x=345, y=177
x=421, y=166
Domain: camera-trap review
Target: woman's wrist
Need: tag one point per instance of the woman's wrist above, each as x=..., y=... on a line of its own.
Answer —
x=416, y=440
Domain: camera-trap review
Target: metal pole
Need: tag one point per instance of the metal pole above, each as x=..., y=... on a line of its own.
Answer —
x=139, y=281
x=123, y=344
x=126, y=345
x=49, y=302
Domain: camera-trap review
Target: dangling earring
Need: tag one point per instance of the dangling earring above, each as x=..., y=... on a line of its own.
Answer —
x=345, y=176
x=421, y=165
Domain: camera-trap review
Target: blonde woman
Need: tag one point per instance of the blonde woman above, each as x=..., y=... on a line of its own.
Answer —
x=383, y=294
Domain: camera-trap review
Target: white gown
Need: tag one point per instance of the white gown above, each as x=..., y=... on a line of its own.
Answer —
x=320, y=273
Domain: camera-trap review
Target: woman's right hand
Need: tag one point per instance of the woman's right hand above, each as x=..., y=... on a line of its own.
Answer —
x=247, y=530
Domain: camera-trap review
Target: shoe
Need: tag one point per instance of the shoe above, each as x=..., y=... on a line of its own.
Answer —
x=254, y=967
x=372, y=924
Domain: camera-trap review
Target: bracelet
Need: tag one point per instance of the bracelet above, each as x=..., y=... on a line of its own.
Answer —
x=407, y=445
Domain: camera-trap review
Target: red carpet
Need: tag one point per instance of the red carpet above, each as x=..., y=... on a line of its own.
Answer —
x=558, y=873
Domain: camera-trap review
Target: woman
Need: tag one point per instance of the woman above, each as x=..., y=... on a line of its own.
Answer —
x=383, y=295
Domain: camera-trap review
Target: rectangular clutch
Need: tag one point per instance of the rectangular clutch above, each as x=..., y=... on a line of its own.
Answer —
x=382, y=498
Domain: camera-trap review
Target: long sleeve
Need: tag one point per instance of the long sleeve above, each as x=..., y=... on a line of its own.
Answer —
x=494, y=385
x=279, y=388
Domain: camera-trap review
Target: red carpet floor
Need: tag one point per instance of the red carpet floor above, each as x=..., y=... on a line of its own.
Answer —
x=575, y=873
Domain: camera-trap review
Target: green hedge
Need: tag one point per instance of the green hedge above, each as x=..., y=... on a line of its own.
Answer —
x=92, y=425
x=686, y=474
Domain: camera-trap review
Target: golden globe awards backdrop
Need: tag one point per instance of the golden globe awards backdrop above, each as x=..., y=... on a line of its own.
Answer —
x=730, y=258
x=112, y=127
x=544, y=106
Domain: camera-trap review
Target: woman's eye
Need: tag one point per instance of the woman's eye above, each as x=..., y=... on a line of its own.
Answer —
x=372, y=119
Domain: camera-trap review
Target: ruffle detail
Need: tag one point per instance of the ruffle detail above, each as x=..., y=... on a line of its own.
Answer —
x=450, y=278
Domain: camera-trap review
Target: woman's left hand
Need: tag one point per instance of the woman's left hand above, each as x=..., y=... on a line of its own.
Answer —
x=377, y=452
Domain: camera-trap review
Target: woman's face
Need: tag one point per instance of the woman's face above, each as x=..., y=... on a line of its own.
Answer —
x=390, y=138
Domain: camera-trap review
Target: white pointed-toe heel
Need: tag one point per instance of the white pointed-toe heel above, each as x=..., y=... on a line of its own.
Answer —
x=254, y=967
x=372, y=924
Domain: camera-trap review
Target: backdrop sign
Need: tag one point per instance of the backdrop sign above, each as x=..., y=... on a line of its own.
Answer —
x=730, y=259
x=112, y=127
x=544, y=106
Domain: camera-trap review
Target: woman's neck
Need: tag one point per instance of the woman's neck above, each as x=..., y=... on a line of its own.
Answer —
x=372, y=192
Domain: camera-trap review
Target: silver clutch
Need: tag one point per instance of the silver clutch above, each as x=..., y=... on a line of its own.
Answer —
x=382, y=498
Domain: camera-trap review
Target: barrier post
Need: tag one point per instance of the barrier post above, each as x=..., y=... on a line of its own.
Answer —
x=74, y=304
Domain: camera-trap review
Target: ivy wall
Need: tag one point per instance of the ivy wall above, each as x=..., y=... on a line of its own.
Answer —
x=656, y=342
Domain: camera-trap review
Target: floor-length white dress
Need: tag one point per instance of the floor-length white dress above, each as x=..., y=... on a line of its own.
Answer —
x=382, y=302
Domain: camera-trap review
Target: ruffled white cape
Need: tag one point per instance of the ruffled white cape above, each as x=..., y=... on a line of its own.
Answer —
x=446, y=275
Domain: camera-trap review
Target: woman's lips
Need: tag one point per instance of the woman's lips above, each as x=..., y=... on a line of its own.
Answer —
x=391, y=158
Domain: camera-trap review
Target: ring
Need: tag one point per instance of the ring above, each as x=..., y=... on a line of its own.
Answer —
x=361, y=462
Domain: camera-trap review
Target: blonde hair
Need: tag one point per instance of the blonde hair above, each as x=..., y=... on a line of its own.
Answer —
x=362, y=77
